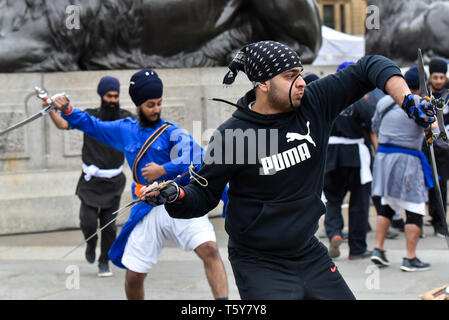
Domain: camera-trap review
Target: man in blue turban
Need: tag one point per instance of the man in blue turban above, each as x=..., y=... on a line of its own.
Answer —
x=156, y=150
x=102, y=181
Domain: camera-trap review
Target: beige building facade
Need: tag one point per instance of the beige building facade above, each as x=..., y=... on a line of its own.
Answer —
x=347, y=16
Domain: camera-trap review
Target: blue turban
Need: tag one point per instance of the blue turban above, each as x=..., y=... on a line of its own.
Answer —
x=412, y=78
x=107, y=84
x=145, y=85
x=344, y=65
x=310, y=77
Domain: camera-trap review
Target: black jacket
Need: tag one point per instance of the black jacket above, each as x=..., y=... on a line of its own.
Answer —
x=276, y=210
x=353, y=122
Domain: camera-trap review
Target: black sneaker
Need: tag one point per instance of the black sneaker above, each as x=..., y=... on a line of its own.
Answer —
x=422, y=235
x=411, y=265
x=439, y=232
x=360, y=256
x=379, y=258
x=103, y=269
x=334, y=247
x=392, y=233
x=90, y=253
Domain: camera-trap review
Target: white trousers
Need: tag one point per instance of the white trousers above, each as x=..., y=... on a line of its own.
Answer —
x=148, y=237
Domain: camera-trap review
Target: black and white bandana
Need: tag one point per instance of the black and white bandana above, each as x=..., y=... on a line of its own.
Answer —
x=262, y=61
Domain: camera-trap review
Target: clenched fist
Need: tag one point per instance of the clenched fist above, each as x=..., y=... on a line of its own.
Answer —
x=153, y=171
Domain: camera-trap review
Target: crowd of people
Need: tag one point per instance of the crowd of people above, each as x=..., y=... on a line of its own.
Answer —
x=375, y=151
x=335, y=136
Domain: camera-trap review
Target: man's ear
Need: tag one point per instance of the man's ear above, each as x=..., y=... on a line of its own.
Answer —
x=264, y=86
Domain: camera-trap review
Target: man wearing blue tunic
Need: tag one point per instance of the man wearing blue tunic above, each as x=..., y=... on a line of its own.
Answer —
x=156, y=150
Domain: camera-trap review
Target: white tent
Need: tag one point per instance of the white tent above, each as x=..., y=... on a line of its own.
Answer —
x=338, y=47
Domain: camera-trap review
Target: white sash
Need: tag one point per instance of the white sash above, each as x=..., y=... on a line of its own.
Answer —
x=94, y=171
x=365, y=157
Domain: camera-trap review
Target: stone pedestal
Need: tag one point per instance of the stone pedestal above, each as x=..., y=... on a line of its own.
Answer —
x=40, y=165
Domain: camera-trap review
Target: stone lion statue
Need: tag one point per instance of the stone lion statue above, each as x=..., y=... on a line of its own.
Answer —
x=44, y=35
x=405, y=26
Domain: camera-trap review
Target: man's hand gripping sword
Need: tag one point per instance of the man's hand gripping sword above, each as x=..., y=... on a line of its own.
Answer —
x=48, y=106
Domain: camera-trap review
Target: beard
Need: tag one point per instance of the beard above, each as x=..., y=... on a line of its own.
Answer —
x=277, y=99
x=437, y=88
x=144, y=121
x=109, y=111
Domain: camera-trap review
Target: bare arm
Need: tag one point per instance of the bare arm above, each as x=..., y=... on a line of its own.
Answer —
x=58, y=120
x=397, y=88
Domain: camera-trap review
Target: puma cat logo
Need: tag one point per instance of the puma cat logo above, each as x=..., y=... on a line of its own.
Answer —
x=290, y=157
x=292, y=136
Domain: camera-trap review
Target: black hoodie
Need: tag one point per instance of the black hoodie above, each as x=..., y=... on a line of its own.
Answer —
x=274, y=201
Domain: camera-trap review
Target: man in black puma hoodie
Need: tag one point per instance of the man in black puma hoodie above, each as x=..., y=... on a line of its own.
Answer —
x=272, y=152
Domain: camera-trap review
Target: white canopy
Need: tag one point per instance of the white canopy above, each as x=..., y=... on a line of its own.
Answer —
x=338, y=47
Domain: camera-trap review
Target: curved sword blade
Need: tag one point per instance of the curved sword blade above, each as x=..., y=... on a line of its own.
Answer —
x=48, y=101
x=27, y=120
x=161, y=186
x=423, y=90
x=130, y=204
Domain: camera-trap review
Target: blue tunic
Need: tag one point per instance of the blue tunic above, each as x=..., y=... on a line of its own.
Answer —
x=175, y=150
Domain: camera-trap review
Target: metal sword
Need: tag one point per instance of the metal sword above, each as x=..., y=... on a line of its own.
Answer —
x=48, y=103
x=131, y=204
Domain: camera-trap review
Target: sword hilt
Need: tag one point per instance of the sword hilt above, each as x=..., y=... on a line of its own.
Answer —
x=41, y=93
x=429, y=136
x=44, y=96
x=438, y=103
x=165, y=184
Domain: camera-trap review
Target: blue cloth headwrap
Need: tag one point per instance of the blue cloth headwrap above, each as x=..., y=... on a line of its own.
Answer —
x=107, y=84
x=412, y=78
x=145, y=85
x=310, y=77
x=344, y=65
